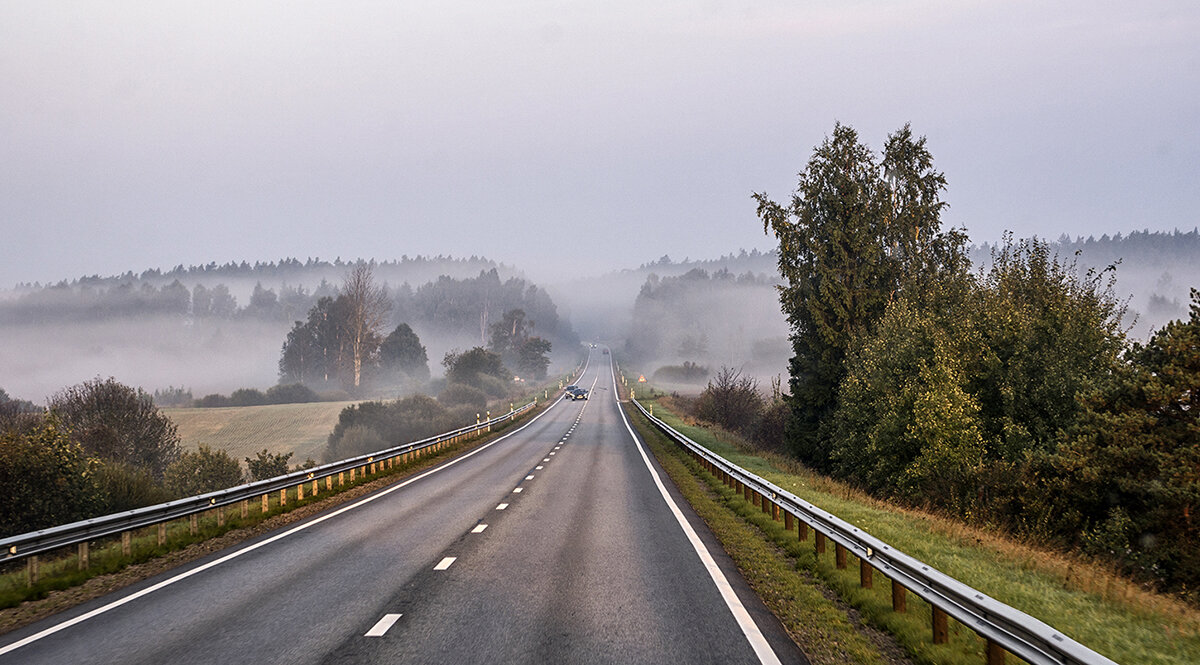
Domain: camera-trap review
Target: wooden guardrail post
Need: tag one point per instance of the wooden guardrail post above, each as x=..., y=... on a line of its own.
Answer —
x=300, y=491
x=283, y=497
x=995, y=653
x=342, y=478
x=941, y=627
x=787, y=520
x=193, y=524
x=802, y=530
x=865, y=574
x=329, y=483
x=839, y=556
x=126, y=543
x=83, y=555
x=899, y=597
x=775, y=511
x=266, y=502
x=32, y=567
x=221, y=516
x=820, y=544
x=162, y=533
x=352, y=475
x=245, y=508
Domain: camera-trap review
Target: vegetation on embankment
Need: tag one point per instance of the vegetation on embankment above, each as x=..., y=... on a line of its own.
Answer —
x=301, y=429
x=1084, y=600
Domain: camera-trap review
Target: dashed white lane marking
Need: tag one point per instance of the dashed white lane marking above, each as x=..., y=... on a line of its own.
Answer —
x=551, y=453
x=754, y=636
x=479, y=528
x=502, y=506
x=529, y=477
x=546, y=460
x=518, y=490
x=445, y=563
x=383, y=625
x=262, y=543
x=537, y=468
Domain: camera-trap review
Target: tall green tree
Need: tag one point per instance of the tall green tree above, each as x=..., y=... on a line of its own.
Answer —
x=46, y=479
x=856, y=232
x=402, y=351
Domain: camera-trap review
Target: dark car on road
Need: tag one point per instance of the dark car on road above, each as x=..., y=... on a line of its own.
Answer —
x=575, y=392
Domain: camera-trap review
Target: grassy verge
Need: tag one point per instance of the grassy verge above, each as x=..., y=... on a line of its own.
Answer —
x=106, y=557
x=1095, y=607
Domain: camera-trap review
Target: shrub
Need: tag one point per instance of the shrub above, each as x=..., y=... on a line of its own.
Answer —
x=247, y=397
x=457, y=394
x=204, y=470
x=267, y=464
x=291, y=393
x=122, y=487
x=731, y=400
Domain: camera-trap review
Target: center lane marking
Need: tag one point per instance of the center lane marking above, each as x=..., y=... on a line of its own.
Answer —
x=383, y=625
x=445, y=563
x=479, y=528
x=502, y=506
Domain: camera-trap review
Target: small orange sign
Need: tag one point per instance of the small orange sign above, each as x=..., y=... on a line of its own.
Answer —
x=641, y=378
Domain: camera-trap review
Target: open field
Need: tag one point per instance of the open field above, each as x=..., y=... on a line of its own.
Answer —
x=242, y=431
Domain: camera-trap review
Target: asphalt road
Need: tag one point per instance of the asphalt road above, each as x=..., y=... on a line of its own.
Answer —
x=585, y=558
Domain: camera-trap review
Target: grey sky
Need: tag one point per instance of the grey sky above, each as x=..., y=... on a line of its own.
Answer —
x=136, y=135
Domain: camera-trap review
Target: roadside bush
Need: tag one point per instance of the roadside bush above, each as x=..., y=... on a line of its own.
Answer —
x=212, y=401
x=409, y=419
x=458, y=394
x=45, y=479
x=122, y=487
x=688, y=372
x=201, y=471
x=267, y=464
x=354, y=440
x=731, y=400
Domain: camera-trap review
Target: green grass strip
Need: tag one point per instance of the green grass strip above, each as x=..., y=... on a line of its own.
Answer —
x=1111, y=615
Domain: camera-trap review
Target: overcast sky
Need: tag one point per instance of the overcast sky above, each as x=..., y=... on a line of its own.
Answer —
x=564, y=136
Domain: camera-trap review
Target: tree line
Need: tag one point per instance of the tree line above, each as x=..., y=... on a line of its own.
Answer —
x=1008, y=397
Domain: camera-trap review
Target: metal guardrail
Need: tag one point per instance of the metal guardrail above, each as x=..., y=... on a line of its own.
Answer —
x=1004, y=627
x=83, y=531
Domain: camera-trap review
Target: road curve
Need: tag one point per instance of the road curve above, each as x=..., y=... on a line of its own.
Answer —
x=584, y=558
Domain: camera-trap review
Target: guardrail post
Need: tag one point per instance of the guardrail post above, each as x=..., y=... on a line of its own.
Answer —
x=865, y=573
x=300, y=490
x=941, y=628
x=316, y=483
x=787, y=520
x=31, y=566
x=352, y=475
x=745, y=491
x=245, y=508
x=775, y=511
x=802, y=530
x=266, y=502
x=839, y=556
x=83, y=555
x=283, y=497
x=756, y=499
x=126, y=543
x=162, y=533
x=995, y=653
x=899, y=597
x=820, y=542
x=221, y=516
x=193, y=524
x=329, y=483
x=341, y=478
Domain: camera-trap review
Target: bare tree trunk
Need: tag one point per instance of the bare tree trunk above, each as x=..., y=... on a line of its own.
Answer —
x=369, y=307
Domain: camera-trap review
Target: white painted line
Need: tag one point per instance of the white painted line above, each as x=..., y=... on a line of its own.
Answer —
x=552, y=452
x=445, y=563
x=537, y=468
x=383, y=625
x=546, y=460
x=754, y=636
x=262, y=543
x=529, y=477
x=479, y=528
x=502, y=506
x=518, y=490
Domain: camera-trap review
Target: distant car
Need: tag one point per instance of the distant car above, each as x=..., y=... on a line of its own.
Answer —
x=606, y=352
x=577, y=393
x=571, y=387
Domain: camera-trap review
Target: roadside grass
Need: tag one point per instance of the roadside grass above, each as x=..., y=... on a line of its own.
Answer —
x=826, y=634
x=243, y=431
x=59, y=571
x=1086, y=601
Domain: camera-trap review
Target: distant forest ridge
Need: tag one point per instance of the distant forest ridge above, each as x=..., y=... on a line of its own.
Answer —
x=285, y=270
x=1137, y=247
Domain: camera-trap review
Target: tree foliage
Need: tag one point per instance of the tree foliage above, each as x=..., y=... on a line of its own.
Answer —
x=118, y=423
x=46, y=479
x=856, y=233
x=402, y=352
x=266, y=464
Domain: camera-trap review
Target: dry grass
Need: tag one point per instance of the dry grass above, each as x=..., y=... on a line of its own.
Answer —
x=242, y=431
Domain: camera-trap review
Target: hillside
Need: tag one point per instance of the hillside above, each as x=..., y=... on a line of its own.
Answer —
x=244, y=430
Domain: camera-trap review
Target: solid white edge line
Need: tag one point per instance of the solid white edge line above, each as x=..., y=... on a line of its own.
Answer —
x=445, y=563
x=262, y=543
x=758, y=642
